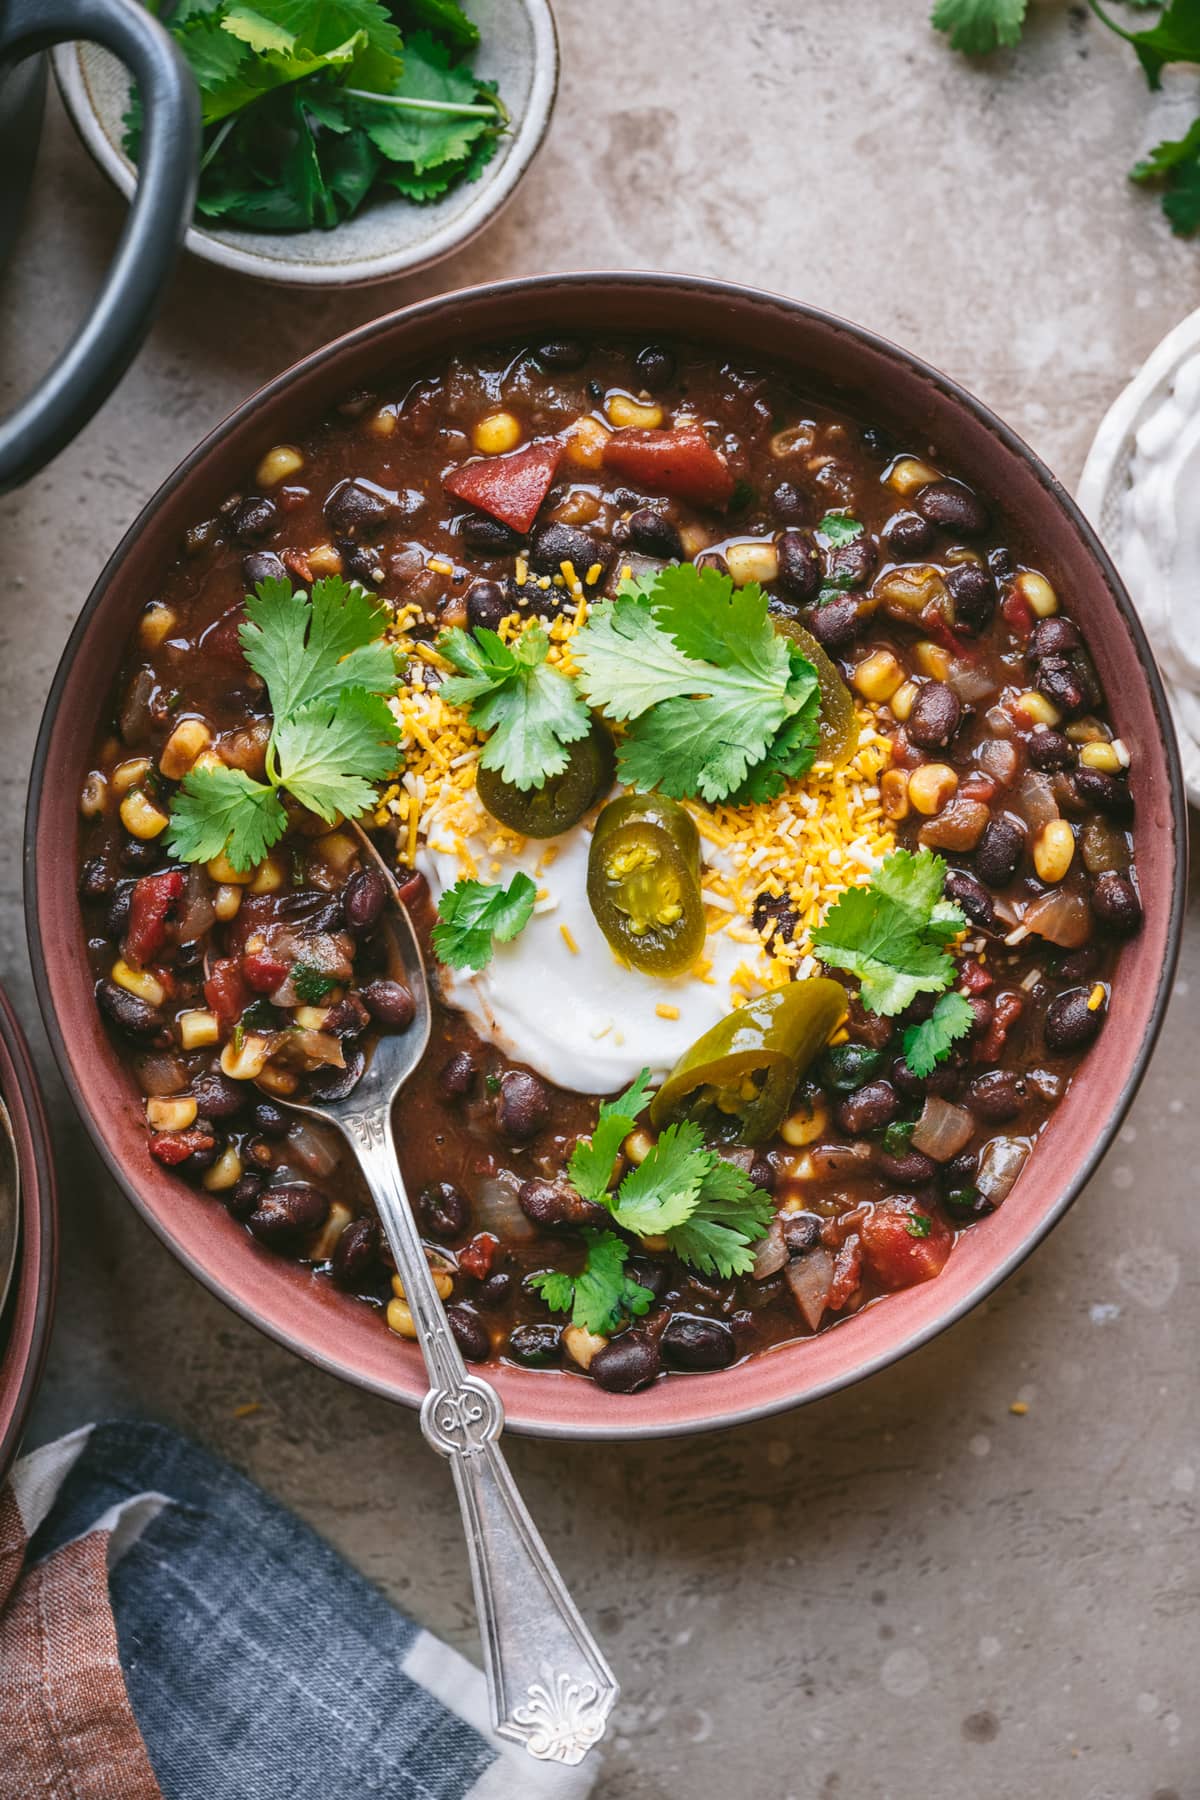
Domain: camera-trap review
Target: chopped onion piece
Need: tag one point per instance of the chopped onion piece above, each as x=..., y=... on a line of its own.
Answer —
x=1061, y=917
x=770, y=1253
x=315, y=1149
x=1037, y=799
x=1000, y=1163
x=970, y=681
x=161, y=1074
x=942, y=1129
x=497, y=1209
x=810, y=1278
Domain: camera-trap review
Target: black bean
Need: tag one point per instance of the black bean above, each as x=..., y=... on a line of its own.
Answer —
x=801, y=1232
x=209, y=1148
x=1115, y=903
x=996, y=1096
x=310, y=907
x=364, y=898
x=1104, y=793
x=355, y=511
x=136, y=1018
x=390, y=1003
x=254, y=519
x=1078, y=965
x=984, y=1011
x=999, y=851
x=974, y=899
x=470, y=1333
x=852, y=564
x=789, y=505
x=562, y=353
x=96, y=881
x=285, y=1216
x=693, y=1342
x=117, y=918
x=270, y=1119
x=1062, y=686
x=1050, y=751
x=141, y=854
x=912, y=1170
x=355, y=1258
x=953, y=507
x=653, y=534
x=334, y=1083
x=1070, y=1023
x=655, y=364
x=347, y=1017
x=489, y=537
x=626, y=1364
x=495, y=1291
x=762, y=1174
x=973, y=592
x=836, y=624
x=553, y=545
x=487, y=603
x=799, y=564
x=535, y=1346
x=871, y=1108
x=1054, y=637
x=218, y=1097
x=263, y=565
x=554, y=1206
x=361, y=563
x=443, y=1210
x=647, y=1274
x=711, y=559
x=908, y=534
x=242, y=1198
x=935, y=716
x=457, y=1077
x=962, y=1169
x=523, y=1105
x=776, y=907
x=258, y=1150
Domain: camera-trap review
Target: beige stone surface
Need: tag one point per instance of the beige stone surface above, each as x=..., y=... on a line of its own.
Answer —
x=906, y=1592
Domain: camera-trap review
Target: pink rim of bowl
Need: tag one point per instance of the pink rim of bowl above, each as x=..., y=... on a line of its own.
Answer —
x=25, y=1327
x=846, y=365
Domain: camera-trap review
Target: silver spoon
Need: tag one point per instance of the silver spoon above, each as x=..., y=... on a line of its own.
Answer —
x=549, y=1686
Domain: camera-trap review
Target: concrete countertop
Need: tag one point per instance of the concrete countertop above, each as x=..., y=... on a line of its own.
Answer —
x=907, y=1592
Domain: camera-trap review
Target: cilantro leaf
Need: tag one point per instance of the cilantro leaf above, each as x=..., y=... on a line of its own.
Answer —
x=1174, y=37
x=978, y=26
x=790, y=754
x=699, y=669
x=473, y=913
x=893, y=933
x=312, y=984
x=592, y=1160
x=427, y=139
x=223, y=810
x=918, y=1224
x=1175, y=166
x=601, y=1296
x=729, y=1217
x=838, y=528
x=329, y=755
x=530, y=710
x=445, y=16
x=929, y=1043
x=662, y=1191
x=311, y=650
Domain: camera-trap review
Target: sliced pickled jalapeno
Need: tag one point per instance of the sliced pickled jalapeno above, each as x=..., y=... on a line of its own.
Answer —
x=562, y=800
x=838, y=732
x=741, y=1075
x=643, y=883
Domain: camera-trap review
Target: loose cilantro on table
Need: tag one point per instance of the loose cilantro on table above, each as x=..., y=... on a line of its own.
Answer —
x=709, y=689
x=529, y=709
x=602, y=1296
x=310, y=105
x=472, y=915
x=977, y=26
x=929, y=1043
x=894, y=934
x=326, y=669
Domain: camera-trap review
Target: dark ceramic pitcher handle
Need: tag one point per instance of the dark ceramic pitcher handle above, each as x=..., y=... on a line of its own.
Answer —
x=92, y=364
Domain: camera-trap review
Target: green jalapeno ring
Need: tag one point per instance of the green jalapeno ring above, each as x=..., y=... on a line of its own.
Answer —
x=643, y=883
x=837, y=725
x=562, y=800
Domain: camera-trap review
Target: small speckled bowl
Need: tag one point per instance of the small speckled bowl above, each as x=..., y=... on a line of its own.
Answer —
x=845, y=366
x=25, y=1321
x=518, y=49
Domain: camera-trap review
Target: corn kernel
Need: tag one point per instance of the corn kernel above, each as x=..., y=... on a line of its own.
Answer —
x=93, y=796
x=280, y=1082
x=585, y=441
x=1101, y=756
x=932, y=660
x=903, y=700
x=1037, y=593
x=338, y=849
x=222, y=870
x=694, y=539
x=582, y=1345
x=1097, y=997
x=174, y=1114
x=245, y=1062
x=1087, y=731
x=325, y=559
x=495, y=434
x=752, y=562
x=269, y=876
x=400, y=1319
x=893, y=793
x=225, y=1173
x=189, y=738
x=1053, y=850
x=196, y=1029
x=624, y=412
x=1035, y=709
x=930, y=786
x=311, y=1018
x=138, y=982
x=637, y=1146
x=908, y=475
x=381, y=423
x=226, y=901
x=804, y=1126
x=127, y=774
x=325, y=1243
x=156, y=623
x=141, y=818
x=278, y=464
x=878, y=676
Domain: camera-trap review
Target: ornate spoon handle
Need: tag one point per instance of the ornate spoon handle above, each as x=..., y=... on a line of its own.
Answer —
x=549, y=1686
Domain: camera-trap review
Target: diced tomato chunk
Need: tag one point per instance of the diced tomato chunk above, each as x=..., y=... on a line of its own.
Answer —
x=1008, y=1009
x=222, y=639
x=680, y=463
x=976, y=979
x=978, y=787
x=904, y=1244
x=174, y=1147
x=264, y=972
x=1017, y=612
x=477, y=1257
x=226, y=991
x=152, y=899
x=510, y=488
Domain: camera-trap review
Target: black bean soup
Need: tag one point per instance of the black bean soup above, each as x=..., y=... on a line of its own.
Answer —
x=612, y=456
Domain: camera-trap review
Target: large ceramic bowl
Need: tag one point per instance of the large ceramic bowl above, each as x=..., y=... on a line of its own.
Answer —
x=25, y=1320
x=853, y=368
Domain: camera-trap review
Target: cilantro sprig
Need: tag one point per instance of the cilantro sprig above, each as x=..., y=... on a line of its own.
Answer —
x=602, y=1296
x=714, y=698
x=894, y=933
x=333, y=739
x=930, y=1042
x=474, y=915
x=529, y=709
